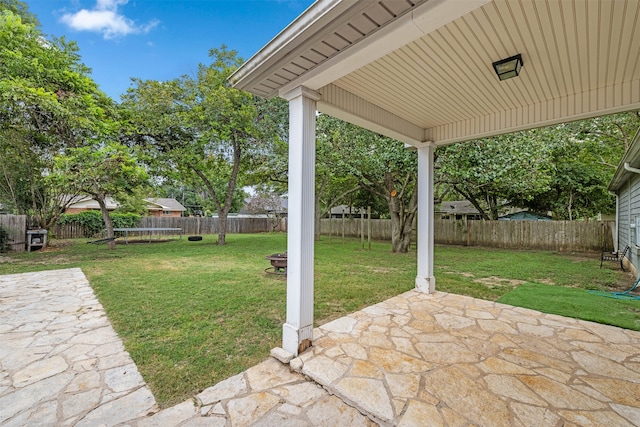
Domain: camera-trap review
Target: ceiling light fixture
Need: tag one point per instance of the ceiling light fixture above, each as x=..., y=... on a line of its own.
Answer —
x=507, y=68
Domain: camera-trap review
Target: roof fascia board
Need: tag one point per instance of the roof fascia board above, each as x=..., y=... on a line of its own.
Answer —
x=290, y=40
x=621, y=175
x=424, y=19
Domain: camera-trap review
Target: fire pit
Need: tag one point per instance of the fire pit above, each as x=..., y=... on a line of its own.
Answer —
x=278, y=264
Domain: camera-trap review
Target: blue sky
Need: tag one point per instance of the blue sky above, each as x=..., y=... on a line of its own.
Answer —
x=160, y=39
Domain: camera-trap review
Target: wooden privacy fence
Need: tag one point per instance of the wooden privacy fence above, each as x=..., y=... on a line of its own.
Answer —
x=562, y=236
x=191, y=225
x=16, y=226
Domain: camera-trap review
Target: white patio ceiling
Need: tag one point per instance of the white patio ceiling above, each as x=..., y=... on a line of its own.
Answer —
x=420, y=70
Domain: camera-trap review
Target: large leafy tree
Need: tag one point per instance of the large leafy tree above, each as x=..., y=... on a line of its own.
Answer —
x=200, y=130
x=100, y=171
x=381, y=166
x=48, y=102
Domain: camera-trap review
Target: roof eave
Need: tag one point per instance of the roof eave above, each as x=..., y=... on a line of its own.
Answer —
x=318, y=13
x=632, y=156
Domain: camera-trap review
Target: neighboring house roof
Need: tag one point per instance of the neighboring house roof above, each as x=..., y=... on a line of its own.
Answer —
x=525, y=216
x=632, y=159
x=86, y=202
x=456, y=207
x=153, y=204
x=165, y=204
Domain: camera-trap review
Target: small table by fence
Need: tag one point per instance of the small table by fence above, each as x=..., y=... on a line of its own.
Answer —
x=149, y=230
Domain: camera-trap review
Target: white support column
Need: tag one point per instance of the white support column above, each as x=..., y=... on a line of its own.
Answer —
x=425, y=281
x=297, y=332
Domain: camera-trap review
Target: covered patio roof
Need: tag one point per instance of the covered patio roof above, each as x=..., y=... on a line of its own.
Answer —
x=421, y=70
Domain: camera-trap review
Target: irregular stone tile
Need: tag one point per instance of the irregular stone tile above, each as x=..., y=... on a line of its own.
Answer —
x=554, y=374
x=579, y=335
x=342, y=325
x=281, y=355
x=171, y=416
x=534, y=415
x=595, y=418
x=446, y=353
x=123, y=378
x=44, y=415
x=301, y=394
x=619, y=391
x=535, y=330
x=127, y=407
x=39, y=370
x=462, y=395
x=368, y=394
x=609, y=334
x=95, y=336
x=30, y=396
x=331, y=411
x=80, y=403
x=288, y=408
x=454, y=419
x=231, y=387
x=479, y=314
x=532, y=359
x=420, y=414
x=268, y=374
x=497, y=326
x=631, y=414
x=245, y=410
x=511, y=388
x=206, y=422
x=403, y=385
x=324, y=370
x=374, y=339
x=451, y=321
x=355, y=351
x=363, y=368
x=275, y=419
x=405, y=345
x=603, y=366
x=559, y=395
x=494, y=365
x=83, y=382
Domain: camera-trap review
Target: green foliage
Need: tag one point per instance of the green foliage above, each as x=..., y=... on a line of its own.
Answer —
x=93, y=223
x=48, y=103
x=202, y=132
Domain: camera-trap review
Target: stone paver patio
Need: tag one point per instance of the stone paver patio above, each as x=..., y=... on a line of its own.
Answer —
x=450, y=360
x=413, y=360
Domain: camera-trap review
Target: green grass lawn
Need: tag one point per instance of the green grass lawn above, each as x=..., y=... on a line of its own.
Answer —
x=194, y=313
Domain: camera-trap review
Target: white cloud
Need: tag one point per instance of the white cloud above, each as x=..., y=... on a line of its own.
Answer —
x=105, y=18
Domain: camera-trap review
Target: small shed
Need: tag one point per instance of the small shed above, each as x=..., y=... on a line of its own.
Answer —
x=626, y=186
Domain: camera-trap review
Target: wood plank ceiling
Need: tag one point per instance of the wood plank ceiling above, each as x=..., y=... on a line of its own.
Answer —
x=446, y=76
x=581, y=59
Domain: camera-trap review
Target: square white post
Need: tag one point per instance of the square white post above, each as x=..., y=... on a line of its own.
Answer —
x=425, y=280
x=297, y=332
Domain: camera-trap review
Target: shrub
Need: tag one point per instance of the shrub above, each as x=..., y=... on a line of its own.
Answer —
x=4, y=240
x=93, y=224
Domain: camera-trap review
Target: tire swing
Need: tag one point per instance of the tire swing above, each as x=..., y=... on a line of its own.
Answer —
x=194, y=238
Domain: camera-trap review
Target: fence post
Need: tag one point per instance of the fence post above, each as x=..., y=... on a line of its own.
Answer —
x=343, y=224
x=369, y=226
x=362, y=228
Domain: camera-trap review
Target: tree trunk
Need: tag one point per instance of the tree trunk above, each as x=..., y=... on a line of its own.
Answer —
x=107, y=220
x=222, y=228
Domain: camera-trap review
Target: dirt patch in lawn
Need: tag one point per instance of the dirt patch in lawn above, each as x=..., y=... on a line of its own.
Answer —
x=493, y=281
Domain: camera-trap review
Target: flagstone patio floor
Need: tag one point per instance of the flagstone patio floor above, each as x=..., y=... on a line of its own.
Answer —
x=413, y=360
